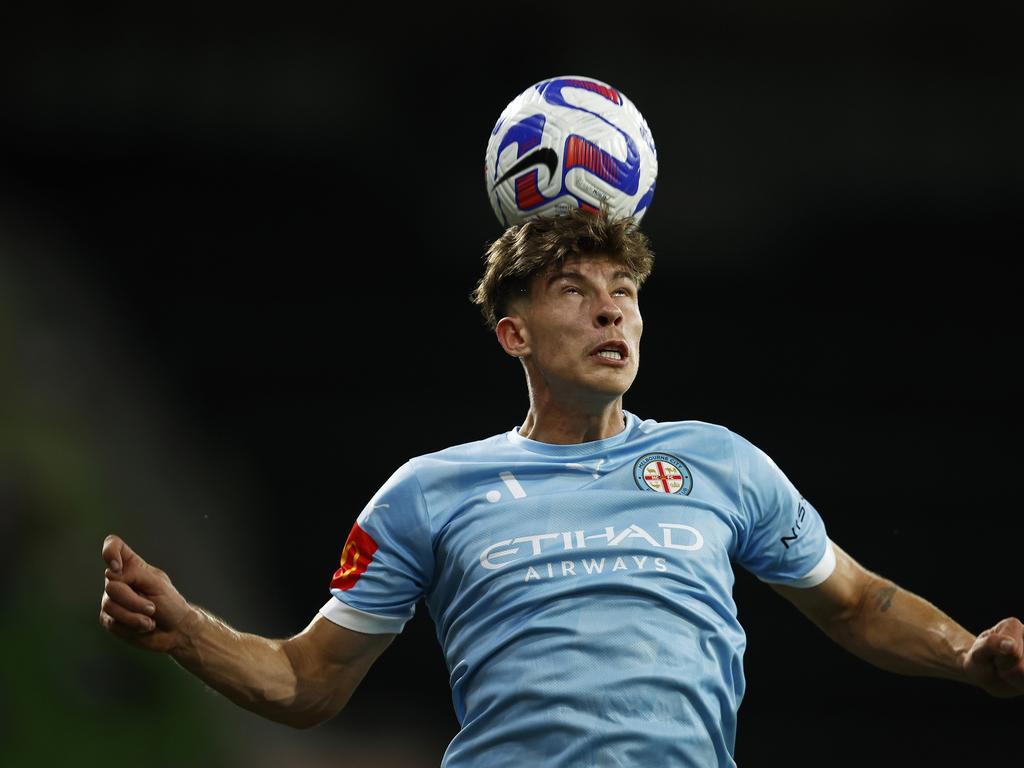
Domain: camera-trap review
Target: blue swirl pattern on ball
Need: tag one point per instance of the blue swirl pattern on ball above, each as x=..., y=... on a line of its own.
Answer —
x=570, y=142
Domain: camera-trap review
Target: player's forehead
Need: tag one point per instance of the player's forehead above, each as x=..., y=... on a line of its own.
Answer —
x=597, y=267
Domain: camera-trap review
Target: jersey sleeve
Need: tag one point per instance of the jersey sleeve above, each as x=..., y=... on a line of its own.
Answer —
x=387, y=561
x=782, y=538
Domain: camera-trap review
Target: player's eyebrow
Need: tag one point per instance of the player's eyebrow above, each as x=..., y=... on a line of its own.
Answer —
x=560, y=275
x=619, y=275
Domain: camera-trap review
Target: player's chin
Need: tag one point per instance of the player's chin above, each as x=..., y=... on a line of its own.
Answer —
x=613, y=381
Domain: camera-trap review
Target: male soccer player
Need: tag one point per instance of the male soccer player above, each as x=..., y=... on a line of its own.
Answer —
x=578, y=568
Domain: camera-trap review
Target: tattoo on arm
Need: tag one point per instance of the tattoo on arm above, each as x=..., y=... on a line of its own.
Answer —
x=884, y=598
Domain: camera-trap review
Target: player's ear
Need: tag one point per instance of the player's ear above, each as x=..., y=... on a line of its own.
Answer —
x=513, y=335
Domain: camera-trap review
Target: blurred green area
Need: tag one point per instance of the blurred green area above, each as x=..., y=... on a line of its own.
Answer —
x=89, y=446
x=70, y=691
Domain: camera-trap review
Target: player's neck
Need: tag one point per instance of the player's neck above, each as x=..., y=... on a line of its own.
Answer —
x=561, y=424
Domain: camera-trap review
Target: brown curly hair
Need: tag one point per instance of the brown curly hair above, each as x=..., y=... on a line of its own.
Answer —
x=542, y=244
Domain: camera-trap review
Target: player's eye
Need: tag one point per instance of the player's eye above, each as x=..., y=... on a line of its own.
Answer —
x=622, y=292
x=571, y=289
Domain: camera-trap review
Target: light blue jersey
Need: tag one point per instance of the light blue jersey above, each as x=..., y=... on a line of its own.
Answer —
x=582, y=594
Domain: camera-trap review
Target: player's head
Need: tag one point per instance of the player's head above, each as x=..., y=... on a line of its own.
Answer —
x=557, y=290
x=543, y=244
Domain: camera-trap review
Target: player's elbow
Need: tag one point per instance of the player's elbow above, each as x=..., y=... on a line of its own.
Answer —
x=318, y=706
x=336, y=704
x=861, y=623
x=308, y=715
x=848, y=595
x=328, y=662
x=310, y=701
x=308, y=722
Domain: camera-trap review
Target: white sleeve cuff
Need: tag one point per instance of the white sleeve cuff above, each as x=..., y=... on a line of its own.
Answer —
x=344, y=615
x=817, y=574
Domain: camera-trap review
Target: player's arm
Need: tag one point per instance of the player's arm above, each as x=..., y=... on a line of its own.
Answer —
x=301, y=681
x=898, y=631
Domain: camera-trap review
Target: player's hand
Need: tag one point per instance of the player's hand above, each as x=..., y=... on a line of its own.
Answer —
x=140, y=604
x=995, y=662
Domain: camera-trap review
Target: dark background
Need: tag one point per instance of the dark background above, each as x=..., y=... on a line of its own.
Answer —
x=235, y=254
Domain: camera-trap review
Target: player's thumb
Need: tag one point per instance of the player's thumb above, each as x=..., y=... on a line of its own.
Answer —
x=125, y=565
x=992, y=649
x=117, y=554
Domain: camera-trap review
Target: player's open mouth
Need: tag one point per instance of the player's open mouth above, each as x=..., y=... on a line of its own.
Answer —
x=611, y=353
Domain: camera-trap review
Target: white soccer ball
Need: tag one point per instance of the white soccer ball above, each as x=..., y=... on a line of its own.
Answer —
x=570, y=142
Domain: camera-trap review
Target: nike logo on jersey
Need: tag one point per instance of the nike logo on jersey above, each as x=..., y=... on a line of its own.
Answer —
x=543, y=156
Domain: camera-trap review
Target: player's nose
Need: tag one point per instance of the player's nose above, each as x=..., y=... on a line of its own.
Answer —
x=608, y=313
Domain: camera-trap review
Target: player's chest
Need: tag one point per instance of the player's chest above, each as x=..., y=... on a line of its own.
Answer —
x=652, y=512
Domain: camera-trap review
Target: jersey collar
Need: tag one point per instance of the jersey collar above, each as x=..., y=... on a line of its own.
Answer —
x=578, y=449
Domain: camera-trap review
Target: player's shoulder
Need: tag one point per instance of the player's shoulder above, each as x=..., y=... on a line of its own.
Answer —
x=696, y=428
x=718, y=441
x=696, y=436
x=420, y=476
x=689, y=428
x=444, y=477
x=483, y=450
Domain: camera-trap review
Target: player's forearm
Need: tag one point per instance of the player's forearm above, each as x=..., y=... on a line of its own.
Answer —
x=252, y=671
x=901, y=632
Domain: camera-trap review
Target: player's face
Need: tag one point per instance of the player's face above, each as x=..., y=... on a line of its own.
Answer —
x=584, y=326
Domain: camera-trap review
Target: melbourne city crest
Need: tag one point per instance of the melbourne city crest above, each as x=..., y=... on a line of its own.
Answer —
x=662, y=473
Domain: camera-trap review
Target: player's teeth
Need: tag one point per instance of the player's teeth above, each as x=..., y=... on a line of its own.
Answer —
x=611, y=354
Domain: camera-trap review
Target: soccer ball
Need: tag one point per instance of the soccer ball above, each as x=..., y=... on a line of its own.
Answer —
x=570, y=142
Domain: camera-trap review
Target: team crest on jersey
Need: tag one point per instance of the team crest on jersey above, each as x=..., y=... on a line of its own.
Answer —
x=662, y=473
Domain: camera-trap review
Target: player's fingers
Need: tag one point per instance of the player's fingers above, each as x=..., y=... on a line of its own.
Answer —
x=996, y=650
x=128, y=598
x=122, y=616
x=114, y=627
x=1008, y=629
x=142, y=576
x=1008, y=659
x=1010, y=626
x=118, y=555
x=1007, y=651
x=984, y=651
